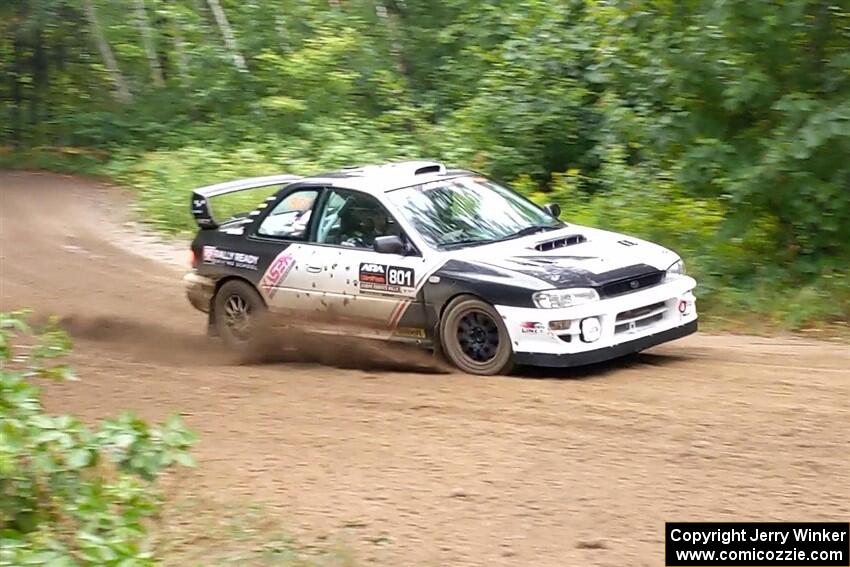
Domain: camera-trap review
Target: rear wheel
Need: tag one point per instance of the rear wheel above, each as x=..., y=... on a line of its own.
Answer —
x=474, y=338
x=238, y=312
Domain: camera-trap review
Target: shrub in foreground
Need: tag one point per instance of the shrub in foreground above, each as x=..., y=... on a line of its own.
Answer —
x=72, y=495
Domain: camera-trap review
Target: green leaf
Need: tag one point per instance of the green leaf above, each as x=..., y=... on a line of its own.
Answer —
x=79, y=458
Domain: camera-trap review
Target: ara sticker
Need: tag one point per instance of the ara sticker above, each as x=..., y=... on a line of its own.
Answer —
x=276, y=273
x=381, y=278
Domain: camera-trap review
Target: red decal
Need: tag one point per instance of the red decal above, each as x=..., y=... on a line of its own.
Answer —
x=276, y=273
x=398, y=313
x=374, y=278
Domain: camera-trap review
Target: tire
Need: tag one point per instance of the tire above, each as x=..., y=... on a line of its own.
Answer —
x=474, y=338
x=241, y=332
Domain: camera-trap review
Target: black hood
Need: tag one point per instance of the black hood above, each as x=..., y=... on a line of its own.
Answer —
x=563, y=272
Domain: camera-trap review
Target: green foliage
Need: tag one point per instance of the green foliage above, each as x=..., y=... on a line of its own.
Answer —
x=71, y=495
x=751, y=102
x=717, y=128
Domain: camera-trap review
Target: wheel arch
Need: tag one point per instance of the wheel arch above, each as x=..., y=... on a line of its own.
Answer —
x=451, y=298
x=230, y=278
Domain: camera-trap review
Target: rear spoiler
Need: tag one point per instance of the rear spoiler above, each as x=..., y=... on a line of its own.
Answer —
x=201, y=209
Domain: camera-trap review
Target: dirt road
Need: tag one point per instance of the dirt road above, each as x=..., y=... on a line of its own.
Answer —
x=430, y=469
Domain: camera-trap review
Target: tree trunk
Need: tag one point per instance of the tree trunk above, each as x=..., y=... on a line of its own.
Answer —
x=227, y=34
x=39, y=69
x=122, y=91
x=148, y=43
x=17, y=88
x=280, y=28
x=180, y=51
x=390, y=12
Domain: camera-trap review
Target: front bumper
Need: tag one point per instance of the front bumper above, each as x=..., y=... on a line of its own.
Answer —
x=199, y=290
x=606, y=353
x=624, y=324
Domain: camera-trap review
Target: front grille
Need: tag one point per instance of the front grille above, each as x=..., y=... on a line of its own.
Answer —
x=639, y=312
x=629, y=285
x=640, y=324
x=640, y=317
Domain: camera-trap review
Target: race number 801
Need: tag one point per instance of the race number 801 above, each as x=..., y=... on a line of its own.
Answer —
x=402, y=277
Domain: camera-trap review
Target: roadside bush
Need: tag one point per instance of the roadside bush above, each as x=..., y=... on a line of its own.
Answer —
x=72, y=495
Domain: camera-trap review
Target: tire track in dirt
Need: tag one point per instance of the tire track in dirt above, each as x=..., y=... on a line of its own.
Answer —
x=548, y=469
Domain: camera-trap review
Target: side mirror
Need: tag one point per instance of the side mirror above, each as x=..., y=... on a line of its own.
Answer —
x=389, y=245
x=553, y=209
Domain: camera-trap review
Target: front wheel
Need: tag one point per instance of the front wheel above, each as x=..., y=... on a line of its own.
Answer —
x=237, y=312
x=474, y=338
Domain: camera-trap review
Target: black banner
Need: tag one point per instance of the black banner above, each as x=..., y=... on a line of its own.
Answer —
x=762, y=544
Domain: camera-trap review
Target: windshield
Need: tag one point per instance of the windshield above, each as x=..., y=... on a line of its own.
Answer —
x=469, y=210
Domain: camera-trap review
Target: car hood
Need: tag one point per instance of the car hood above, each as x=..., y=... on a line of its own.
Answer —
x=574, y=256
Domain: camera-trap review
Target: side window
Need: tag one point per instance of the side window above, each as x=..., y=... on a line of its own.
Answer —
x=354, y=219
x=291, y=217
x=329, y=223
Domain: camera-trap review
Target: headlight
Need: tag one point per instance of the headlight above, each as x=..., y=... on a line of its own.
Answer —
x=676, y=270
x=557, y=298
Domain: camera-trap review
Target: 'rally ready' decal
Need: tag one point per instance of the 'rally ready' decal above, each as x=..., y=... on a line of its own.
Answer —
x=384, y=279
x=213, y=255
x=276, y=273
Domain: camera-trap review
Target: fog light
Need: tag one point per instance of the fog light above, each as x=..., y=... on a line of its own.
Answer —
x=684, y=306
x=559, y=325
x=591, y=329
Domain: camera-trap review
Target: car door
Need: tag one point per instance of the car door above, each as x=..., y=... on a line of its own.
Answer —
x=281, y=237
x=353, y=288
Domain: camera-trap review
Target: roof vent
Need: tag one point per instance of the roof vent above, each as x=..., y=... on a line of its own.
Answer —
x=560, y=242
x=420, y=167
x=431, y=168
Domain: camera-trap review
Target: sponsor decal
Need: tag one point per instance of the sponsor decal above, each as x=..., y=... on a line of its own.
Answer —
x=410, y=332
x=219, y=257
x=201, y=212
x=381, y=278
x=532, y=328
x=276, y=273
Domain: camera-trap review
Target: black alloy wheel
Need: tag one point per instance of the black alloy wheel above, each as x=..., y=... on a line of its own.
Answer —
x=238, y=308
x=474, y=338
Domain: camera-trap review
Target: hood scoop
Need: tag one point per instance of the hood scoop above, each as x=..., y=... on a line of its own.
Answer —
x=561, y=242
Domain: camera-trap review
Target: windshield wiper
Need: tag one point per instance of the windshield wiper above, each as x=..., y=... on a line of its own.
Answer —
x=467, y=242
x=529, y=230
x=519, y=234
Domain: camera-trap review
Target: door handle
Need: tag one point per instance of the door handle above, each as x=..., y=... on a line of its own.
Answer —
x=314, y=269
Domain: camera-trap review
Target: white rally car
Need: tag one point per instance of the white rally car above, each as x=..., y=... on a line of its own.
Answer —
x=445, y=258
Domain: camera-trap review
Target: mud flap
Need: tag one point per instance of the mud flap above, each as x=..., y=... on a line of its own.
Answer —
x=212, y=330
